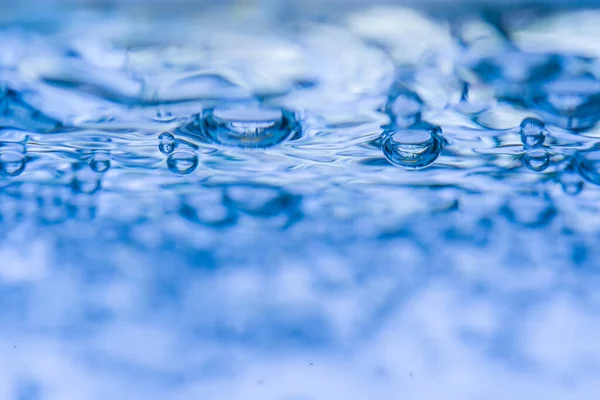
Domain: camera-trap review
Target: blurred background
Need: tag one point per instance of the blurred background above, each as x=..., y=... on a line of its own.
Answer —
x=298, y=200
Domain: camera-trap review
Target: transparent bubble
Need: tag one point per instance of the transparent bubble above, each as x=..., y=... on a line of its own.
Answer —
x=532, y=132
x=12, y=163
x=412, y=148
x=251, y=127
x=182, y=162
x=537, y=160
x=167, y=143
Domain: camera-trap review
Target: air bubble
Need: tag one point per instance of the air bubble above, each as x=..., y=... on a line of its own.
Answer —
x=182, y=162
x=100, y=163
x=254, y=127
x=532, y=132
x=537, y=160
x=167, y=143
x=571, y=183
x=412, y=148
x=12, y=163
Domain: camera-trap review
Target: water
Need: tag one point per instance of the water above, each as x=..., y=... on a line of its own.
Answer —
x=260, y=202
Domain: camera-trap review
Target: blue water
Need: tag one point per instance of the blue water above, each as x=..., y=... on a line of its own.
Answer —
x=238, y=204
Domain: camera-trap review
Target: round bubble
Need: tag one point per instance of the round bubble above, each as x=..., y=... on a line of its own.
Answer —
x=12, y=163
x=533, y=133
x=414, y=148
x=167, y=143
x=250, y=127
x=182, y=162
x=537, y=160
x=100, y=163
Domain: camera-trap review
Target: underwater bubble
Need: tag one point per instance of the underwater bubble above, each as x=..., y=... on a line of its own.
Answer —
x=571, y=183
x=88, y=186
x=532, y=132
x=569, y=103
x=412, y=148
x=588, y=165
x=12, y=163
x=182, y=162
x=404, y=108
x=260, y=200
x=529, y=210
x=248, y=127
x=207, y=208
x=100, y=163
x=167, y=143
x=537, y=160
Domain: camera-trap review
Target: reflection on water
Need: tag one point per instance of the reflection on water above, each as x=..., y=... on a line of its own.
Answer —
x=375, y=204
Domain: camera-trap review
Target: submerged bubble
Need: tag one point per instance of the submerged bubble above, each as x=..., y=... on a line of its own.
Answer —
x=529, y=210
x=537, y=160
x=412, y=148
x=182, y=162
x=571, y=183
x=532, y=132
x=207, y=208
x=248, y=127
x=12, y=163
x=100, y=163
x=167, y=143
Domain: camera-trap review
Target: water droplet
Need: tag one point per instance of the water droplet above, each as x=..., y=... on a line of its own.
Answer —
x=182, y=162
x=167, y=143
x=533, y=133
x=12, y=163
x=412, y=148
x=537, y=160
x=248, y=127
x=100, y=163
x=404, y=108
